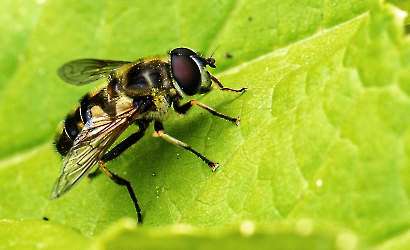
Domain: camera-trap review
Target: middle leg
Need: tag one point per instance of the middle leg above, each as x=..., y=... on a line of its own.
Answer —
x=159, y=130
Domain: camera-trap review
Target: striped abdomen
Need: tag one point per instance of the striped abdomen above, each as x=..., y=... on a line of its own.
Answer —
x=77, y=118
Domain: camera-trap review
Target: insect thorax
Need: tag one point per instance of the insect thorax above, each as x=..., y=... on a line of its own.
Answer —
x=147, y=78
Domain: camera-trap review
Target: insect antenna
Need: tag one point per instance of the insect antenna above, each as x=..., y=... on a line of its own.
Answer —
x=210, y=60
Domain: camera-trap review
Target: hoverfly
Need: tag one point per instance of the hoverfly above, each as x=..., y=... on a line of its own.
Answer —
x=137, y=93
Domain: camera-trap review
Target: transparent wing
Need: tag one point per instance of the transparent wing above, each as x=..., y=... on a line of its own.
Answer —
x=83, y=71
x=90, y=146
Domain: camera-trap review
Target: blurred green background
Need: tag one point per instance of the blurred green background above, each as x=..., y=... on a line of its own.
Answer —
x=320, y=159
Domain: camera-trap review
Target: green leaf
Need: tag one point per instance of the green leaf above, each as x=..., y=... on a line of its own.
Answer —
x=30, y=234
x=321, y=158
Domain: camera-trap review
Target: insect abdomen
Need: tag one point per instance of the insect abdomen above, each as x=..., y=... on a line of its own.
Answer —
x=77, y=118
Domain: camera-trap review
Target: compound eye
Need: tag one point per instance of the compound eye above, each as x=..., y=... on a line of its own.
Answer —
x=186, y=71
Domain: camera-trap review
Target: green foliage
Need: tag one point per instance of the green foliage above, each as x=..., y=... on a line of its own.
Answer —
x=320, y=160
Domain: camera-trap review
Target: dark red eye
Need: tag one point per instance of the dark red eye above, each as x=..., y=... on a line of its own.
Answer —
x=186, y=70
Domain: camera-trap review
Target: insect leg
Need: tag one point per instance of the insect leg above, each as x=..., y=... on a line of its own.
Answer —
x=128, y=142
x=116, y=151
x=182, y=109
x=221, y=87
x=159, y=129
x=121, y=147
x=123, y=182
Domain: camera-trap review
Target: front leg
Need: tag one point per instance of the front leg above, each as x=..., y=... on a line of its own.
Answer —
x=221, y=87
x=182, y=109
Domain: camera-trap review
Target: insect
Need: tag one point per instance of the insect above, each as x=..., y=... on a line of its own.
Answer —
x=137, y=93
